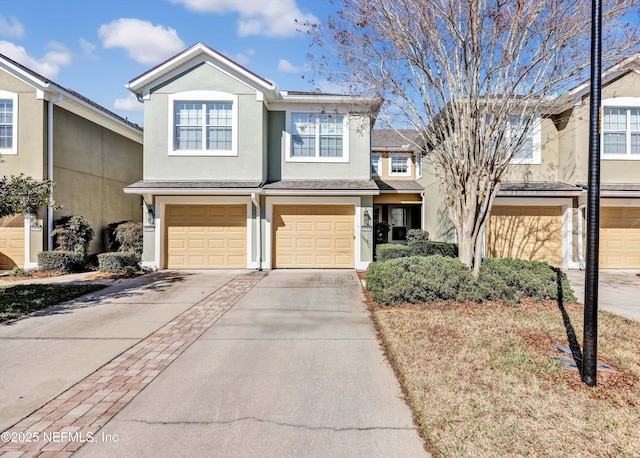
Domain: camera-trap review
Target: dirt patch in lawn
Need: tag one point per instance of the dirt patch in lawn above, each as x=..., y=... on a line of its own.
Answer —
x=482, y=379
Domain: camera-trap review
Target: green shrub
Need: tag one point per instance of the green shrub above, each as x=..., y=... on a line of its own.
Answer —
x=387, y=251
x=73, y=233
x=129, y=271
x=18, y=272
x=417, y=235
x=116, y=262
x=418, y=279
x=125, y=236
x=59, y=261
x=513, y=279
x=426, y=248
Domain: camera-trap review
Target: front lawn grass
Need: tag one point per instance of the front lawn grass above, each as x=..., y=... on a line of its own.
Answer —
x=18, y=300
x=481, y=379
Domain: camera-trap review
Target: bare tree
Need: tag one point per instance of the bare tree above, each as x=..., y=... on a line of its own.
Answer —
x=472, y=76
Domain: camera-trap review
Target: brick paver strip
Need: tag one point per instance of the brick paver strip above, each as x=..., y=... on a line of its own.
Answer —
x=65, y=423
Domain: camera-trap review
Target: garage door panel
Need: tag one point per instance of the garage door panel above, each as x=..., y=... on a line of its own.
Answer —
x=11, y=242
x=620, y=237
x=206, y=236
x=307, y=236
x=533, y=233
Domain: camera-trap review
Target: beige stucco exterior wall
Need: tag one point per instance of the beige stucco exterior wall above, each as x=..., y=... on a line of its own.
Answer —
x=92, y=165
x=31, y=133
x=547, y=170
x=386, y=161
x=246, y=166
x=574, y=138
x=358, y=167
x=437, y=222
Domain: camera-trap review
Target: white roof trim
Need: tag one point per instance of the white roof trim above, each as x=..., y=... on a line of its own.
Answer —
x=185, y=60
x=191, y=191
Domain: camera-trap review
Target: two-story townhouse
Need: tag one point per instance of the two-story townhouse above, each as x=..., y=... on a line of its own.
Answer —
x=238, y=174
x=396, y=164
x=540, y=210
x=50, y=132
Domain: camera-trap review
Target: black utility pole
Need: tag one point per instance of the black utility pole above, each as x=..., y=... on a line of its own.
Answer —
x=590, y=346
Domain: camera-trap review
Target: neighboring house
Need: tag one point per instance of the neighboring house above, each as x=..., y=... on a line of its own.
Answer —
x=50, y=132
x=396, y=164
x=539, y=212
x=238, y=174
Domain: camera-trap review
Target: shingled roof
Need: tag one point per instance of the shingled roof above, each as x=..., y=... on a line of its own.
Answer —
x=393, y=140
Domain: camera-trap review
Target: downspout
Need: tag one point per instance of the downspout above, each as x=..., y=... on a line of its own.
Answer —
x=581, y=209
x=256, y=202
x=50, y=104
x=423, y=220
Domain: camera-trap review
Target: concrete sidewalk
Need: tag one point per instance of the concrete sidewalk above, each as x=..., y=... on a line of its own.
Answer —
x=292, y=369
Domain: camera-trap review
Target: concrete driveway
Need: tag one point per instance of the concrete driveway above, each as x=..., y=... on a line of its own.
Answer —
x=618, y=291
x=284, y=363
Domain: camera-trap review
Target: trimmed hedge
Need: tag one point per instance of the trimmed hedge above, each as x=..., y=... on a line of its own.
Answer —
x=60, y=261
x=116, y=262
x=388, y=251
x=124, y=236
x=418, y=279
x=73, y=233
x=513, y=279
x=427, y=248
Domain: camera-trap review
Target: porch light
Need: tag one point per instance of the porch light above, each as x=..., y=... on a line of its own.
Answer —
x=366, y=219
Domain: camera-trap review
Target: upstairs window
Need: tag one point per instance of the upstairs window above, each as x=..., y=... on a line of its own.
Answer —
x=529, y=150
x=621, y=133
x=399, y=166
x=318, y=137
x=418, y=165
x=376, y=165
x=203, y=127
x=8, y=122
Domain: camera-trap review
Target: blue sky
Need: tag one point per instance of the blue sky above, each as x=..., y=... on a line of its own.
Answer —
x=96, y=47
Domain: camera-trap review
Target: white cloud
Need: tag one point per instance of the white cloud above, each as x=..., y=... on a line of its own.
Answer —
x=87, y=46
x=144, y=42
x=273, y=18
x=287, y=67
x=243, y=58
x=12, y=28
x=130, y=103
x=49, y=65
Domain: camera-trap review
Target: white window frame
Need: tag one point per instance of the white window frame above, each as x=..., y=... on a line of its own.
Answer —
x=629, y=103
x=418, y=165
x=204, y=97
x=317, y=157
x=6, y=95
x=535, y=128
x=403, y=174
x=376, y=159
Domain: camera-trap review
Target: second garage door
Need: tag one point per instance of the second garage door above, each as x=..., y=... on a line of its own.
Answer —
x=206, y=236
x=620, y=237
x=11, y=242
x=527, y=232
x=313, y=236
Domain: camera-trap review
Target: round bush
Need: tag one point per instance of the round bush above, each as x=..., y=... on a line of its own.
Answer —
x=418, y=279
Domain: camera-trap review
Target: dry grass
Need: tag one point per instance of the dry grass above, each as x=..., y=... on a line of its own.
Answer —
x=482, y=382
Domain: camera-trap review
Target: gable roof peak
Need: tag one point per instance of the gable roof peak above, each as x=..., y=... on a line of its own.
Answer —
x=196, y=54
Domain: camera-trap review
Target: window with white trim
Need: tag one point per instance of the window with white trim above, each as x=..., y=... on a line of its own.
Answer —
x=8, y=122
x=529, y=150
x=318, y=137
x=621, y=133
x=376, y=165
x=418, y=165
x=399, y=165
x=203, y=123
